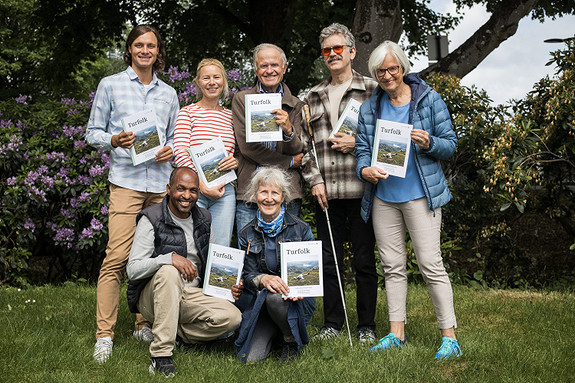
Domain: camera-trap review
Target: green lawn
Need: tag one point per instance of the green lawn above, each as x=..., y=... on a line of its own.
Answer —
x=47, y=335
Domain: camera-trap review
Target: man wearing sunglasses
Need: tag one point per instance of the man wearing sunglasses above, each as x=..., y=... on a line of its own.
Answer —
x=337, y=186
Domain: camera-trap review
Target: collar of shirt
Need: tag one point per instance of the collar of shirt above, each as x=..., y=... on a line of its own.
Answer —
x=280, y=89
x=134, y=76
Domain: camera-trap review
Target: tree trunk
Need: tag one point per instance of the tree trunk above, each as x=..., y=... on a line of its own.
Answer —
x=374, y=22
x=502, y=25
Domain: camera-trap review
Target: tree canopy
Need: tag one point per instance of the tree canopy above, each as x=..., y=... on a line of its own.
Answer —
x=43, y=43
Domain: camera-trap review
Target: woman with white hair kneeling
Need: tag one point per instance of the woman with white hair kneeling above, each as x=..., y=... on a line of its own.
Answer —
x=270, y=319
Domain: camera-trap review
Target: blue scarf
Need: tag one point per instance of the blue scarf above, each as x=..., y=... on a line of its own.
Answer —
x=272, y=228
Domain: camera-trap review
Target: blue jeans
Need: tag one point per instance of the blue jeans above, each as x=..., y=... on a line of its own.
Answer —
x=246, y=211
x=223, y=211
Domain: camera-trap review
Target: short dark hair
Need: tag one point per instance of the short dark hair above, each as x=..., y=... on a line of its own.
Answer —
x=138, y=31
x=176, y=170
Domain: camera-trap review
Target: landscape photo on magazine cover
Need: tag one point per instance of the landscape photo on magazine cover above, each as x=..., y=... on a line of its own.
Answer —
x=391, y=152
x=223, y=276
x=263, y=122
x=210, y=168
x=146, y=139
x=303, y=273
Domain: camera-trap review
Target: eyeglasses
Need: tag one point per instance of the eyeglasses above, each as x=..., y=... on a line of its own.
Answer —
x=337, y=49
x=393, y=70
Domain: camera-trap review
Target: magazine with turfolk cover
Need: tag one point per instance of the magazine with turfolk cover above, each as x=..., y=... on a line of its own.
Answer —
x=260, y=121
x=206, y=158
x=347, y=122
x=301, y=268
x=149, y=139
x=391, y=147
x=223, y=270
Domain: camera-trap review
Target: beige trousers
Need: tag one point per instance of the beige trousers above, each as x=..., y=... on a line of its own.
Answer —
x=178, y=309
x=389, y=223
x=125, y=204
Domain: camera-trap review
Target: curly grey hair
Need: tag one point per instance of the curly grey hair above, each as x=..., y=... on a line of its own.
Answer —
x=334, y=29
x=269, y=176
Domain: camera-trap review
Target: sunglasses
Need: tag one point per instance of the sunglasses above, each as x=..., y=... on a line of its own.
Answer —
x=337, y=49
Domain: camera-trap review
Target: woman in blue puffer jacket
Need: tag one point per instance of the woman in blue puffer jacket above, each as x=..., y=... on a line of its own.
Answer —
x=413, y=202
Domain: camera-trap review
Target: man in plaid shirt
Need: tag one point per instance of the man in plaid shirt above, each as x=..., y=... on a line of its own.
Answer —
x=337, y=186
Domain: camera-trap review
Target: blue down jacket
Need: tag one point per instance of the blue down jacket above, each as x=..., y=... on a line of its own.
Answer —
x=427, y=111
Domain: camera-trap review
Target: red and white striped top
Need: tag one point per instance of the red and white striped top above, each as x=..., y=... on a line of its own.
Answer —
x=196, y=125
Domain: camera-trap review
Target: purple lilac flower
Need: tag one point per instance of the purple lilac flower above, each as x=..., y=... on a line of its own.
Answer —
x=86, y=233
x=74, y=202
x=29, y=225
x=234, y=75
x=96, y=170
x=67, y=213
x=31, y=178
x=175, y=75
x=63, y=173
x=21, y=125
x=85, y=180
x=84, y=197
x=68, y=101
x=21, y=99
x=104, y=210
x=79, y=144
x=64, y=235
x=48, y=181
x=83, y=161
x=58, y=156
x=96, y=224
x=72, y=112
x=33, y=191
x=5, y=123
x=15, y=142
x=11, y=181
x=43, y=169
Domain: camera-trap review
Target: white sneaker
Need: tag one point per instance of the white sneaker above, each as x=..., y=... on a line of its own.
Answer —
x=103, y=349
x=144, y=334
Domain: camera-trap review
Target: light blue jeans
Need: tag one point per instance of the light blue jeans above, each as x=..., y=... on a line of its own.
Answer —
x=246, y=211
x=223, y=211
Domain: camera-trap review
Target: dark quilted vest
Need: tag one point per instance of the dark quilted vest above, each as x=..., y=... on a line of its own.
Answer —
x=169, y=237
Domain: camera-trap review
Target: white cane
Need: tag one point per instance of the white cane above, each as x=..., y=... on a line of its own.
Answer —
x=308, y=121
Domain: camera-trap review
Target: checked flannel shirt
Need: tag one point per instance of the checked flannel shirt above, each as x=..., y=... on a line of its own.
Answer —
x=337, y=168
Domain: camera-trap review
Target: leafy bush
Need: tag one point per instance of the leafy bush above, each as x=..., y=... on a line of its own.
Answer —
x=490, y=175
x=54, y=189
x=54, y=192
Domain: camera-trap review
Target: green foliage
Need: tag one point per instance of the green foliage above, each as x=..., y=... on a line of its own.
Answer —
x=53, y=192
x=490, y=176
x=43, y=42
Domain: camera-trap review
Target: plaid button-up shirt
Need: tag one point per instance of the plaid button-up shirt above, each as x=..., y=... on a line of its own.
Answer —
x=337, y=169
x=117, y=97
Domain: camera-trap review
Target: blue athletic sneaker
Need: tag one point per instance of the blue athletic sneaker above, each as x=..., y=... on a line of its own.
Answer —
x=388, y=341
x=449, y=349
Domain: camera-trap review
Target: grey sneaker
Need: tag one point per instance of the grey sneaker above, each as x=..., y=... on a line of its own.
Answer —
x=326, y=332
x=144, y=334
x=366, y=335
x=103, y=349
x=163, y=365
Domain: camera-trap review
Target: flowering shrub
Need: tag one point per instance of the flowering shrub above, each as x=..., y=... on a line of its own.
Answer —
x=53, y=186
x=53, y=191
x=188, y=92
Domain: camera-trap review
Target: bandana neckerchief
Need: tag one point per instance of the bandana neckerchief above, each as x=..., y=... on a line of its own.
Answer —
x=272, y=228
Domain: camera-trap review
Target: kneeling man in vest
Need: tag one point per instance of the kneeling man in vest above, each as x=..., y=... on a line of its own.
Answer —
x=166, y=266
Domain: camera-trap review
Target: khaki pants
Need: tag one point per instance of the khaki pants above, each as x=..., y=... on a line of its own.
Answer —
x=125, y=204
x=177, y=309
x=389, y=223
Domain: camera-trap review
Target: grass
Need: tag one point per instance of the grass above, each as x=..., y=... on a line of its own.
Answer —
x=47, y=335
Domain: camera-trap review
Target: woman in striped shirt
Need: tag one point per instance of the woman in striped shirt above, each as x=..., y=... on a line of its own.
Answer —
x=199, y=123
